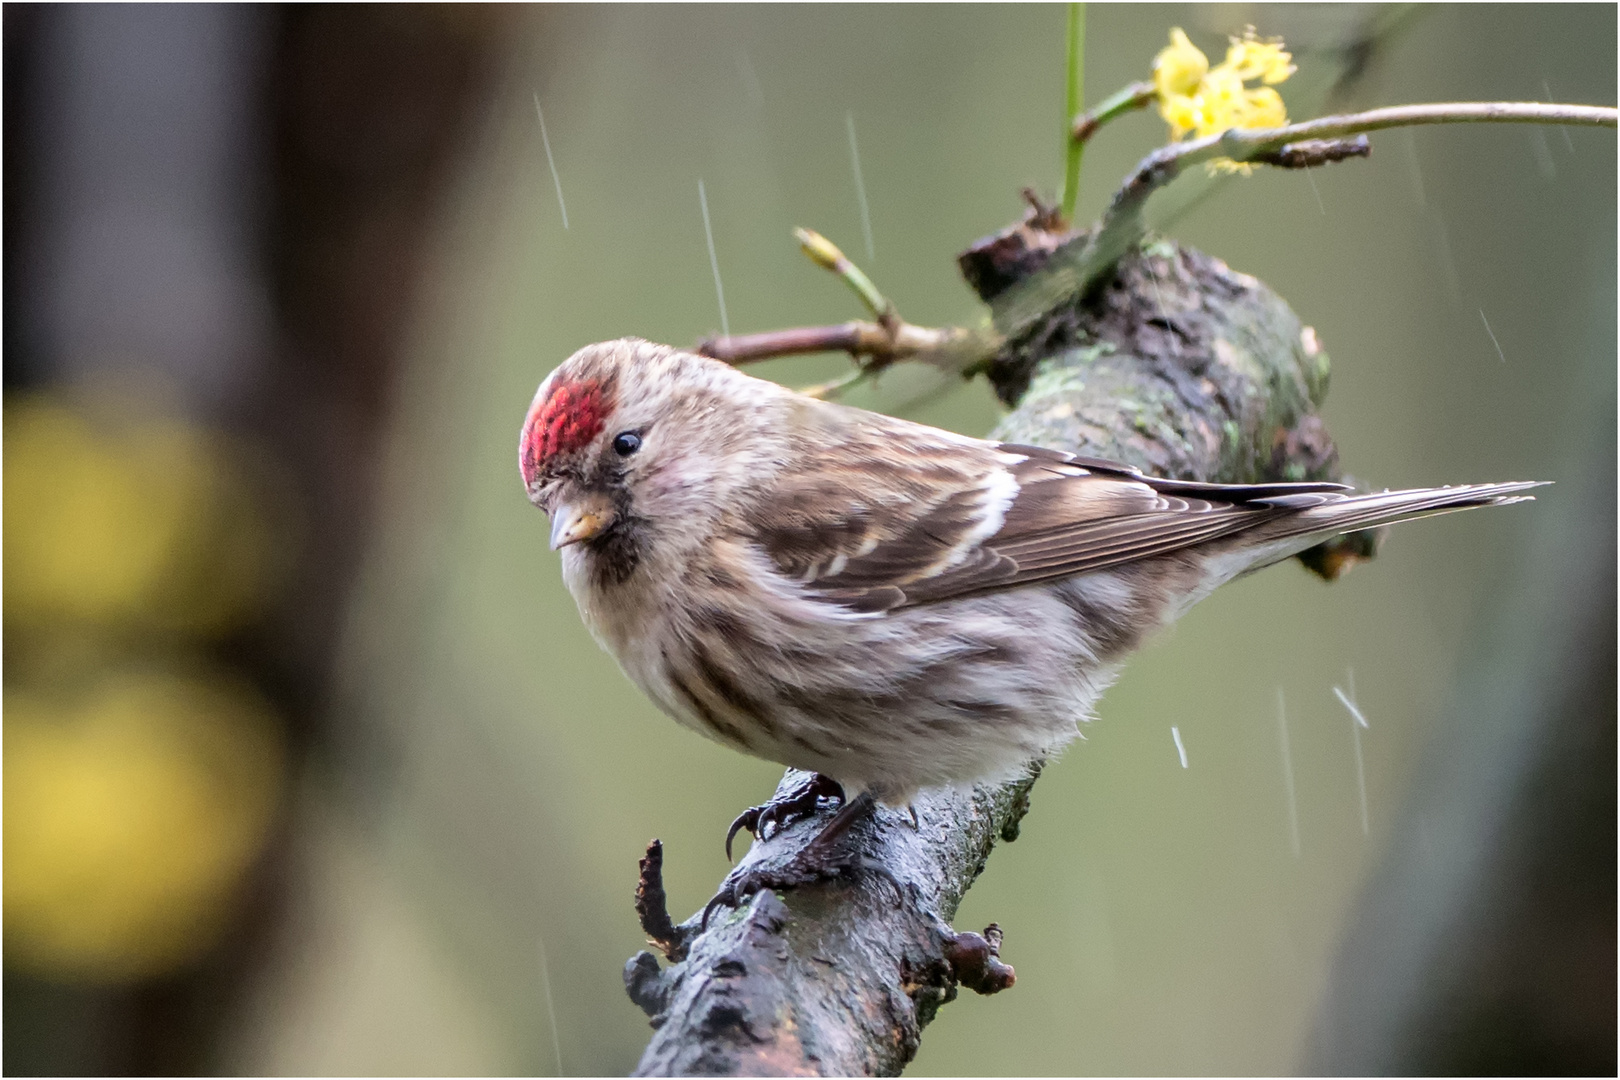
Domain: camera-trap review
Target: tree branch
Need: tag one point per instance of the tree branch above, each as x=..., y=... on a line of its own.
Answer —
x=859, y=339
x=1181, y=367
x=951, y=348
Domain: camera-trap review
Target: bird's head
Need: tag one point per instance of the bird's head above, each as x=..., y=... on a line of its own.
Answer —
x=626, y=438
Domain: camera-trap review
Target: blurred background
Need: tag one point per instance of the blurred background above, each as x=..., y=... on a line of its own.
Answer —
x=309, y=765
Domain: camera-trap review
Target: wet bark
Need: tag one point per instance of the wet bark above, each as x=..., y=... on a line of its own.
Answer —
x=1171, y=362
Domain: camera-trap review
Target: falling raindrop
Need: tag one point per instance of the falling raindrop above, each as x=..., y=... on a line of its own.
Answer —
x=714, y=263
x=1288, y=774
x=545, y=140
x=860, y=186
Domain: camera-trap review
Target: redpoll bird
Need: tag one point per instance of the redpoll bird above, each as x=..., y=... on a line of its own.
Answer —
x=889, y=605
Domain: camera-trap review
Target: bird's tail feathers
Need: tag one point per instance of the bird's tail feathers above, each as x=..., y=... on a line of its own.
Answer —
x=1342, y=515
x=1324, y=515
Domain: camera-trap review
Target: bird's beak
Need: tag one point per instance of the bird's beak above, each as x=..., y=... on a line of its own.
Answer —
x=572, y=523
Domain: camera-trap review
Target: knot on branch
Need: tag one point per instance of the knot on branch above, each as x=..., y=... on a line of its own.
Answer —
x=1309, y=153
x=652, y=907
x=1306, y=452
x=966, y=959
x=1332, y=559
x=996, y=261
x=644, y=981
x=975, y=961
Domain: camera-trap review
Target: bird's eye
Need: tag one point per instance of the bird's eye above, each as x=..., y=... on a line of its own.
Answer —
x=626, y=443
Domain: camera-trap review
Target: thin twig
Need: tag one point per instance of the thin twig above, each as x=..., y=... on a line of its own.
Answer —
x=873, y=346
x=855, y=338
x=833, y=388
x=652, y=905
x=1239, y=145
x=1123, y=225
x=948, y=347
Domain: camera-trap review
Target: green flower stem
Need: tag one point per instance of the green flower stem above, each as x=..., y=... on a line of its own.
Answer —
x=1075, y=148
x=1127, y=99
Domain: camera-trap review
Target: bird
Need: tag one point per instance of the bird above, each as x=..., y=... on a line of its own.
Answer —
x=888, y=606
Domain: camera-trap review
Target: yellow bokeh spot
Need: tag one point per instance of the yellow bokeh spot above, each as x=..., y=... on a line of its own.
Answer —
x=143, y=523
x=130, y=818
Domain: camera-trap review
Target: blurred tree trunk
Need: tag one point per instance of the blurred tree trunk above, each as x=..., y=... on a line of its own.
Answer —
x=1485, y=941
x=336, y=130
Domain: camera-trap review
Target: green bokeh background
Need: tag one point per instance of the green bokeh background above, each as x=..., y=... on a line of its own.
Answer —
x=509, y=776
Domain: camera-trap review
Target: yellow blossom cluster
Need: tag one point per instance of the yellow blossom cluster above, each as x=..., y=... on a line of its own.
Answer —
x=1194, y=97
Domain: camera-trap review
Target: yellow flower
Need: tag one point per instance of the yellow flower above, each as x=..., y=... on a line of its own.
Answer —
x=1179, y=67
x=1265, y=108
x=1181, y=113
x=1225, y=103
x=1252, y=58
x=1194, y=97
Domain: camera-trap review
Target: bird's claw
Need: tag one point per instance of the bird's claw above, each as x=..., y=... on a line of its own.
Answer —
x=748, y=819
x=802, y=801
x=726, y=897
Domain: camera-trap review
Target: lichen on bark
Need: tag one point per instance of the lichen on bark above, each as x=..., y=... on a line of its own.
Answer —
x=1176, y=364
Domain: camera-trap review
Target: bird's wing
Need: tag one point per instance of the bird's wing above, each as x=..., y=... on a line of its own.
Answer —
x=931, y=521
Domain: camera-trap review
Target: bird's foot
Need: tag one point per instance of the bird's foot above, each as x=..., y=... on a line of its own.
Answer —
x=800, y=801
x=822, y=859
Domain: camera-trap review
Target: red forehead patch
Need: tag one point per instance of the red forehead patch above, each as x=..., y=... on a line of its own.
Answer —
x=571, y=416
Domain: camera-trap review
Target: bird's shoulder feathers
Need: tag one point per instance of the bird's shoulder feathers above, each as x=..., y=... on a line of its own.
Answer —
x=896, y=514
